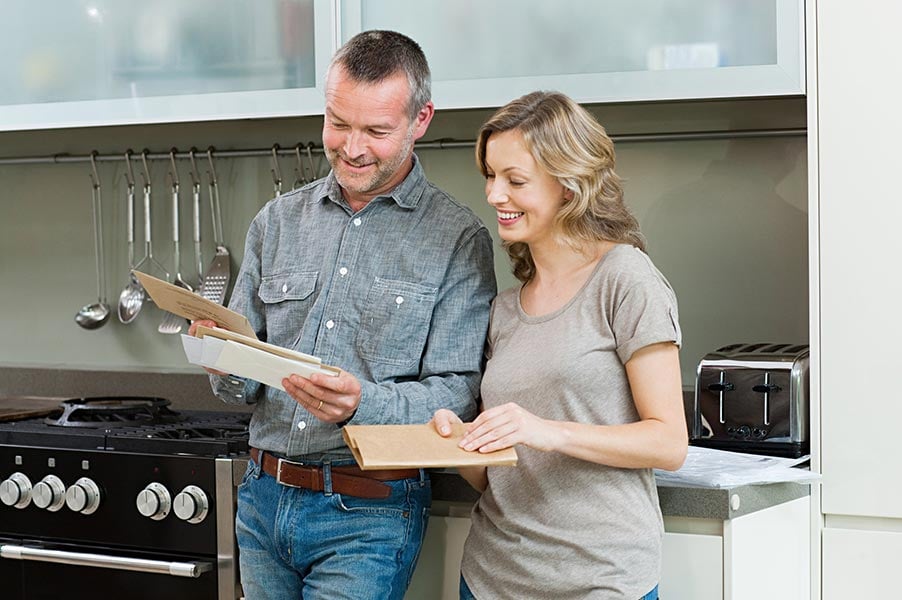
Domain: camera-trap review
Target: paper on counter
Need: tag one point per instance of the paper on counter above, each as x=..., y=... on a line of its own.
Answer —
x=711, y=468
x=191, y=306
x=416, y=446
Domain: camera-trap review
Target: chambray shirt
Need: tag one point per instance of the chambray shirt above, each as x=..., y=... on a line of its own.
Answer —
x=397, y=294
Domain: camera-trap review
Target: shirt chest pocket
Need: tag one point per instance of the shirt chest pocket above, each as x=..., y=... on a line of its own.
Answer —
x=287, y=299
x=395, y=324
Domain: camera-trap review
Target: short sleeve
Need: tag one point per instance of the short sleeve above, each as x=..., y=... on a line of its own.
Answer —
x=645, y=315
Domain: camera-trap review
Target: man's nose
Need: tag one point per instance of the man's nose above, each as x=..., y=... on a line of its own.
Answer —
x=354, y=146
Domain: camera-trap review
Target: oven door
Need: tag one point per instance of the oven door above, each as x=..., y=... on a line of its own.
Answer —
x=38, y=570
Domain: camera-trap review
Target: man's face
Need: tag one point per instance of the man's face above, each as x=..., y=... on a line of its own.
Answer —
x=368, y=135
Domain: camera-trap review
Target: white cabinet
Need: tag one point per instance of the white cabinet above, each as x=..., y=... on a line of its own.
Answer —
x=107, y=62
x=860, y=564
x=860, y=285
x=487, y=53
x=763, y=554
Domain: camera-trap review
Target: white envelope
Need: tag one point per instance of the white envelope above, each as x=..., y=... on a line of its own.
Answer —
x=246, y=361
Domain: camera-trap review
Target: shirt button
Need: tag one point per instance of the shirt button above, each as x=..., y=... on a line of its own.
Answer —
x=399, y=300
x=302, y=425
x=343, y=271
x=284, y=287
x=330, y=324
x=357, y=222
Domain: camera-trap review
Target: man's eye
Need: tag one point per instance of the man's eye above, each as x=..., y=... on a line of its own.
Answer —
x=339, y=126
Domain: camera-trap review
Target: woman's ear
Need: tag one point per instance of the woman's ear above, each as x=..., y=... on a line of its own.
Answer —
x=568, y=194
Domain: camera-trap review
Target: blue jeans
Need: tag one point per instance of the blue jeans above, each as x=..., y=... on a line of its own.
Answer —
x=295, y=543
x=466, y=594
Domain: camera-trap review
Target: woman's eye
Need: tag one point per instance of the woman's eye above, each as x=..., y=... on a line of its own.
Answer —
x=517, y=183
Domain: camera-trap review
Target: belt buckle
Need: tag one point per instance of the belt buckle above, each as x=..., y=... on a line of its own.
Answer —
x=279, y=465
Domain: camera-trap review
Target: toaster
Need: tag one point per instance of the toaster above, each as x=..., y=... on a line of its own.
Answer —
x=753, y=398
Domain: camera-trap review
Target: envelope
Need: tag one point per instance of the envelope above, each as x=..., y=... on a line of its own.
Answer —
x=247, y=361
x=416, y=446
x=191, y=306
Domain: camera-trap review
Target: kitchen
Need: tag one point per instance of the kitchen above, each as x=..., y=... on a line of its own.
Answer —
x=746, y=226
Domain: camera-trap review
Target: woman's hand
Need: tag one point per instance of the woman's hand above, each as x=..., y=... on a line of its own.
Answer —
x=193, y=329
x=510, y=424
x=443, y=419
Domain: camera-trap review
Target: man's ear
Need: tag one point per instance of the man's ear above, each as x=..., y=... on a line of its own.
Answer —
x=423, y=118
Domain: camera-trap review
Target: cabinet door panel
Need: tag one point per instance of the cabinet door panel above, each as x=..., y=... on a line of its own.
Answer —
x=692, y=567
x=860, y=564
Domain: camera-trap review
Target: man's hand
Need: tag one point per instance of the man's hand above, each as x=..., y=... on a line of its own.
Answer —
x=193, y=329
x=442, y=420
x=329, y=399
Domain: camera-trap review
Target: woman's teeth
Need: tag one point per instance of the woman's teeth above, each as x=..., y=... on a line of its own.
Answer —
x=509, y=216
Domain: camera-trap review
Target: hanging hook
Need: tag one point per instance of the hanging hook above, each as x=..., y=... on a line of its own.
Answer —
x=276, y=171
x=300, y=174
x=313, y=173
x=174, y=173
x=146, y=173
x=95, y=180
x=193, y=173
x=212, y=172
x=129, y=174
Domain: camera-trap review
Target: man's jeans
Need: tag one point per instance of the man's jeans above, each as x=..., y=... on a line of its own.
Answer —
x=296, y=543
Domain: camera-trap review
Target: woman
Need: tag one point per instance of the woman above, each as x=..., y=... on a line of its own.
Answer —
x=582, y=375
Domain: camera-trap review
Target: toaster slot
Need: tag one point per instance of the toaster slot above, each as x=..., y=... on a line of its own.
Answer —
x=720, y=388
x=767, y=388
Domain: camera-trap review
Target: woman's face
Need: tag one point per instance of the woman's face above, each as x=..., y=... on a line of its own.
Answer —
x=526, y=196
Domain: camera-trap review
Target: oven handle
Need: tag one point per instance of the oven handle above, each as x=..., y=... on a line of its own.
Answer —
x=84, y=559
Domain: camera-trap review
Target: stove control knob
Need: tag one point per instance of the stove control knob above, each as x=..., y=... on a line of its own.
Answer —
x=49, y=493
x=83, y=496
x=191, y=504
x=16, y=491
x=154, y=501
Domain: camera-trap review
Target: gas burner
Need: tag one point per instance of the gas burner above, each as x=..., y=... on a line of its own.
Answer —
x=107, y=412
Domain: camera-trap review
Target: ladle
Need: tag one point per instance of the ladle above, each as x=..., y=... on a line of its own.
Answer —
x=94, y=315
x=132, y=297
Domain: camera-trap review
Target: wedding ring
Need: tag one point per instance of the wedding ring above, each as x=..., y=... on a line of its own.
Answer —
x=320, y=407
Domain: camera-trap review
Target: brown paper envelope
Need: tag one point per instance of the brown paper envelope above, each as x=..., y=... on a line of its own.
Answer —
x=413, y=446
x=191, y=306
x=224, y=334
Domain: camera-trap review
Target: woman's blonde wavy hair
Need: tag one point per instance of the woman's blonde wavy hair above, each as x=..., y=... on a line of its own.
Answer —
x=567, y=142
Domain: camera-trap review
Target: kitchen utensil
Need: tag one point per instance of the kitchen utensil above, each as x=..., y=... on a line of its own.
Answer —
x=92, y=316
x=132, y=296
x=753, y=398
x=173, y=323
x=195, y=214
x=216, y=278
x=276, y=172
x=300, y=177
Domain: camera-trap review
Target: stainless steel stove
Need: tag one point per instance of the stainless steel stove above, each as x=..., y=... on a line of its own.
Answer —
x=120, y=498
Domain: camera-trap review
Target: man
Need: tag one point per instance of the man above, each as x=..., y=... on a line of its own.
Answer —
x=378, y=272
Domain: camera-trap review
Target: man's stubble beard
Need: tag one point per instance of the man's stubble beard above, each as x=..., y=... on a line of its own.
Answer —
x=384, y=171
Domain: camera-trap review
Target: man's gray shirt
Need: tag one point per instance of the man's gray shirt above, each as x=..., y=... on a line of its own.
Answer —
x=397, y=294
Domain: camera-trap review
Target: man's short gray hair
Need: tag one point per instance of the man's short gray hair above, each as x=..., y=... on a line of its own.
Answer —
x=375, y=55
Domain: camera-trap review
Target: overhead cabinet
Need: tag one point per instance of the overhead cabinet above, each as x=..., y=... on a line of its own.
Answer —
x=75, y=64
x=105, y=62
x=484, y=54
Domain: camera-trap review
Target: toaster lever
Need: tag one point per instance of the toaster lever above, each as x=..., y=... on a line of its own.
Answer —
x=721, y=387
x=766, y=388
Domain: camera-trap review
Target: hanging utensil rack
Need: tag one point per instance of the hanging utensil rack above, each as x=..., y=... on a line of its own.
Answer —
x=441, y=144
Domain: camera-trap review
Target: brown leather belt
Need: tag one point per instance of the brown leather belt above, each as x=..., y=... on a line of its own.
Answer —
x=347, y=480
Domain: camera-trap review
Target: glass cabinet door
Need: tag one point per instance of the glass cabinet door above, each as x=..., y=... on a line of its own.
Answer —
x=484, y=53
x=101, y=62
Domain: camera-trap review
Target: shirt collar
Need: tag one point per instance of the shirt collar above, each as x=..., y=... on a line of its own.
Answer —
x=406, y=194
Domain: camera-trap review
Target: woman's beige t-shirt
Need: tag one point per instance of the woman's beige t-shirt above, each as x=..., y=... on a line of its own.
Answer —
x=555, y=527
